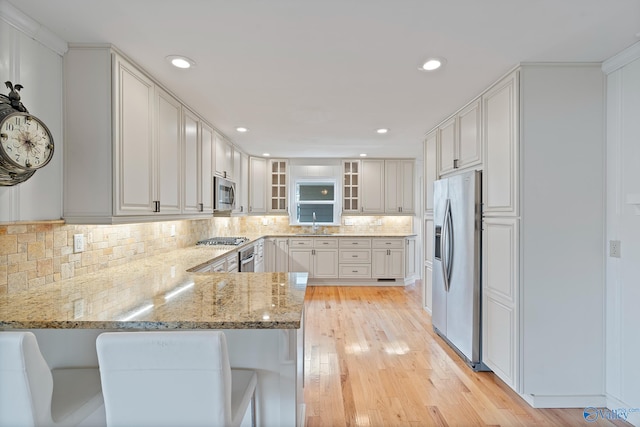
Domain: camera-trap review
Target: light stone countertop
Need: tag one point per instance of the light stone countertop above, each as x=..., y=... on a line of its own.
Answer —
x=164, y=292
x=159, y=293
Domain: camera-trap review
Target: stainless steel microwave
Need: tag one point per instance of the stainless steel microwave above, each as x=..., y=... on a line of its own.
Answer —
x=224, y=194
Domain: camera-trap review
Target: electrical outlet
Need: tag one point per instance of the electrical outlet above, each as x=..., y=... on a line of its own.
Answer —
x=78, y=243
x=614, y=248
x=348, y=221
x=173, y=230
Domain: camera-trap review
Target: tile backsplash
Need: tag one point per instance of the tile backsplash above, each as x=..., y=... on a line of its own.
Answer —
x=34, y=254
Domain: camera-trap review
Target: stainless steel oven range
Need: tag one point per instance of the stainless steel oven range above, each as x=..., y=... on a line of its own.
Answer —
x=247, y=260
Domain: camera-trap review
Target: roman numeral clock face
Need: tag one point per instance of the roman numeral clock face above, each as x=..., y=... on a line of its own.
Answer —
x=25, y=142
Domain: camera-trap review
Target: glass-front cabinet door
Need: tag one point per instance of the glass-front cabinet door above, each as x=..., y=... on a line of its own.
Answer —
x=278, y=173
x=351, y=194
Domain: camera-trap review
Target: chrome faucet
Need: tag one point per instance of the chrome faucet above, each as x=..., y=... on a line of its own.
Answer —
x=315, y=226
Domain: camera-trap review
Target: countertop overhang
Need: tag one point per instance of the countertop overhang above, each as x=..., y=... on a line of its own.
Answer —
x=158, y=292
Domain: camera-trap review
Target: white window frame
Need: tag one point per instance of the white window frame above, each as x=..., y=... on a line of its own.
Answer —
x=337, y=197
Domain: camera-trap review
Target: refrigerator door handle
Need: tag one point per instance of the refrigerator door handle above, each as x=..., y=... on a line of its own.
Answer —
x=446, y=246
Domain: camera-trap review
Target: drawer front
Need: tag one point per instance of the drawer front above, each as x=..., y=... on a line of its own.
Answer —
x=355, y=255
x=232, y=262
x=300, y=243
x=356, y=271
x=325, y=243
x=355, y=243
x=388, y=243
x=219, y=267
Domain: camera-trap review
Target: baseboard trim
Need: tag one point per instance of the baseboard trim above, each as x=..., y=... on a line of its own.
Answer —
x=633, y=417
x=540, y=401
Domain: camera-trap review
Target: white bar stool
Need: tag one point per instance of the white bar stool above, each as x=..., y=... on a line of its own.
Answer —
x=33, y=395
x=180, y=378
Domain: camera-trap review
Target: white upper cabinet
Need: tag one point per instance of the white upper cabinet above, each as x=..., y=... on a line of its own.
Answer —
x=400, y=189
x=447, y=145
x=169, y=152
x=191, y=159
x=206, y=165
x=500, y=180
x=372, y=186
x=257, y=185
x=351, y=186
x=459, y=139
x=469, y=147
x=134, y=144
x=278, y=186
x=224, y=157
x=430, y=170
x=130, y=154
x=242, y=189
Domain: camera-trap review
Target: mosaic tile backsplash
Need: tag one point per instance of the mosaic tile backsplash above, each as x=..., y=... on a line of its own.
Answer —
x=34, y=254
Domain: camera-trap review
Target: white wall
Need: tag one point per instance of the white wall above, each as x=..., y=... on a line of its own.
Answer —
x=623, y=223
x=32, y=57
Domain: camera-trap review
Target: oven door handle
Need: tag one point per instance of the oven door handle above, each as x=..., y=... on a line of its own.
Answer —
x=247, y=260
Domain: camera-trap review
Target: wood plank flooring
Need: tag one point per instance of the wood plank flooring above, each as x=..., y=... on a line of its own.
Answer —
x=372, y=359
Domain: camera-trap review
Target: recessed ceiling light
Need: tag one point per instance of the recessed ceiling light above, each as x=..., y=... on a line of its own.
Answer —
x=363, y=155
x=241, y=129
x=382, y=130
x=266, y=154
x=431, y=64
x=180, y=61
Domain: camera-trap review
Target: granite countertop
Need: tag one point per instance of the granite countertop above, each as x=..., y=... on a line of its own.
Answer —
x=165, y=291
x=159, y=293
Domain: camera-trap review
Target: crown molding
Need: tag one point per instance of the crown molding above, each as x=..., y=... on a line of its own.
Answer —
x=24, y=23
x=621, y=59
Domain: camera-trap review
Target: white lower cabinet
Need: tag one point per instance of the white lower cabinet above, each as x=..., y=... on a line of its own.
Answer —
x=428, y=288
x=410, y=259
x=276, y=254
x=232, y=263
x=499, y=297
x=258, y=266
x=318, y=257
x=387, y=259
x=428, y=263
x=354, y=258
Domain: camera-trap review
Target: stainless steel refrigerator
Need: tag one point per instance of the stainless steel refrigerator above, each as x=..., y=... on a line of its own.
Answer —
x=456, y=311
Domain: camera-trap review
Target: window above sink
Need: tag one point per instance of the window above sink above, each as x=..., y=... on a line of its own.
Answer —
x=316, y=202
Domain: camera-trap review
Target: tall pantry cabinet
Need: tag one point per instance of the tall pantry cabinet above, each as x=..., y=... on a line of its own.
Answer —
x=543, y=243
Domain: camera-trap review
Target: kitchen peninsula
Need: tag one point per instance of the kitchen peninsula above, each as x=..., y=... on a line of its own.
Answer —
x=261, y=314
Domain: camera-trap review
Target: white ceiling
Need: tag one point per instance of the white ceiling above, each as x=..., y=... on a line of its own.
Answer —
x=315, y=78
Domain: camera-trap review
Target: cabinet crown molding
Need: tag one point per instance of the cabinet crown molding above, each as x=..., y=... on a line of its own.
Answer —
x=621, y=59
x=24, y=23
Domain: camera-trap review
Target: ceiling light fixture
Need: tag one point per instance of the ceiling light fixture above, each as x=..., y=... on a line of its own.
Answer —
x=382, y=130
x=432, y=64
x=266, y=154
x=180, y=61
x=363, y=155
x=241, y=129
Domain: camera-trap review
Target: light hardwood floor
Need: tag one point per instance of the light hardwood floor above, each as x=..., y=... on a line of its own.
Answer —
x=372, y=359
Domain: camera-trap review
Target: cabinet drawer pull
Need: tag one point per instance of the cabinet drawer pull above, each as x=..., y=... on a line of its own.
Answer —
x=354, y=256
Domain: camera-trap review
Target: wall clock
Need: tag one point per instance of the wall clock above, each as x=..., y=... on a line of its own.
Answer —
x=26, y=144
